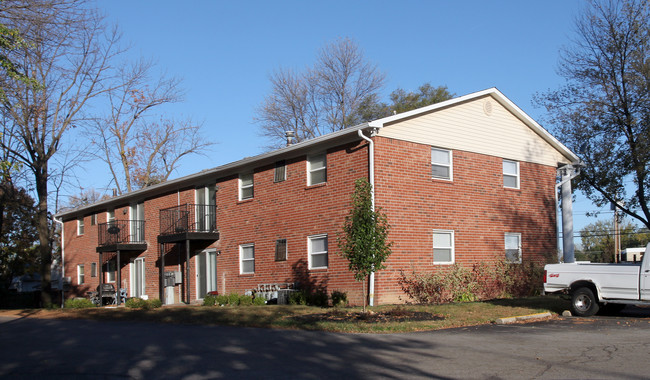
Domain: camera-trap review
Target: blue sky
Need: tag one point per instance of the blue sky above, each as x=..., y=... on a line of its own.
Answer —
x=225, y=52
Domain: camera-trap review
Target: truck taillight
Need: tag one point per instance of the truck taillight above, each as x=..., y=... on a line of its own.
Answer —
x=545, y=276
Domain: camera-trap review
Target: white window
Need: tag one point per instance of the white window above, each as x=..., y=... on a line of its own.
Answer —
x=317, y=169
x=317, y=251
x=441, y=164
x=247, y=258
x=513, y=247
x=245, y=186
x=137, y=222
x=110, y=216
x=81, y=278
x=280, y=171
x=80, y=226
x=443, y=247
x=93, y=219
x=511, y=174
x=206, y=211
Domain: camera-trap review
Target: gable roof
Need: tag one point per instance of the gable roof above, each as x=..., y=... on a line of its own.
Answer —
x=322, y=142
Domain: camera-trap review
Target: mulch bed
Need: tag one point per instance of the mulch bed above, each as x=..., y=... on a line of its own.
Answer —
x=370, y=316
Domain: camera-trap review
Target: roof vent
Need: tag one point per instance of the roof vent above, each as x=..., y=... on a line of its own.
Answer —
x=290, y=136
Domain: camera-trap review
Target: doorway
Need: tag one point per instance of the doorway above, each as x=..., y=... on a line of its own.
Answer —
x=206, y=272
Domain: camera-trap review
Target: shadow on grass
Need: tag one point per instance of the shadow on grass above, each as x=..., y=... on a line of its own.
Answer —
x=554, y=304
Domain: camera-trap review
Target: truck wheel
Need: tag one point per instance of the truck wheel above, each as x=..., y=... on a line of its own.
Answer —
x=583, y=303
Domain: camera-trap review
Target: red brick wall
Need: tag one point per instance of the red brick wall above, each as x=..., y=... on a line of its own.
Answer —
x=475, y=205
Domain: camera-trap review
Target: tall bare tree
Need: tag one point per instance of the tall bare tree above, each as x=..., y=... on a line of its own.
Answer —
x=70, y=54
x=140, y=147
x=603, y=112
x=324, y=98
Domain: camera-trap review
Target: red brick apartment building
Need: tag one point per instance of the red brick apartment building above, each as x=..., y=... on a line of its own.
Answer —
x=466, y=180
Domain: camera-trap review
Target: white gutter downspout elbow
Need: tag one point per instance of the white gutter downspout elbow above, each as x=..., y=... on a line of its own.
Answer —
x=371, y=174
x=62, y=259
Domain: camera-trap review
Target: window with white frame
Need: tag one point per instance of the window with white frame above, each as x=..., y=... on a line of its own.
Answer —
x=81, y=278
x=513, y=247
x=281, y=250
x=80, y=226
x=316, y=169
x=93, y=269
x=280, y=171
x=245, y=186
x=510, y=174
x=247, y=258
x=111, y=270
x=443, y=247
x=441, y=164
x=93, y=219
x=318, y=251
x=110, y=216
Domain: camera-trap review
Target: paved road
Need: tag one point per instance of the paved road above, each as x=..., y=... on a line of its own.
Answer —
x=581, y=348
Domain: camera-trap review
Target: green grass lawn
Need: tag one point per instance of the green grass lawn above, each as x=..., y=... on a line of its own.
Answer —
x=386, y=318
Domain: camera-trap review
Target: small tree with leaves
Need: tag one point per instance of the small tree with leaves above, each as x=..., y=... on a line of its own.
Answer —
x=364, y=241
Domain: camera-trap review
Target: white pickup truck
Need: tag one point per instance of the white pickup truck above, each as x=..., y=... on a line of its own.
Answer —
x=595, y=286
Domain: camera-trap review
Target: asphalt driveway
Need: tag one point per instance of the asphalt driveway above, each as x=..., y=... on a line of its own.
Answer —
x=599, y=347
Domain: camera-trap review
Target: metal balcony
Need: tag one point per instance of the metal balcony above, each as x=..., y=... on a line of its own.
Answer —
x=122, y=235
x=188, y=222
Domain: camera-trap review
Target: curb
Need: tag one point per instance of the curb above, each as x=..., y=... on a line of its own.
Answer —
x=505, y=321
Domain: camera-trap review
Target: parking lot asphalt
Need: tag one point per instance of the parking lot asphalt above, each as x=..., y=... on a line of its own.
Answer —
x=598, y=347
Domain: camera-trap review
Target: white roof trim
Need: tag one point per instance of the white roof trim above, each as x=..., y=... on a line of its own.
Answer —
x=499, y=97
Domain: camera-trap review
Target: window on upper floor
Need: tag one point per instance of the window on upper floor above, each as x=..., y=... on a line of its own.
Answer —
x=80, y=226
x=81, y=278
x=280, y=171
x=513, y=247
x=110, y=216
x=443, y=247
x=510, y=174
x=441, y=164
x=317, y=251
x=246, y=186
x=93, y=219
x=247, y=258
x=316, y=169
x=281, y=250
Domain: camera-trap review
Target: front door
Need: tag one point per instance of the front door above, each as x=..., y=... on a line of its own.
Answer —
x=206, y=272
x=137, y=278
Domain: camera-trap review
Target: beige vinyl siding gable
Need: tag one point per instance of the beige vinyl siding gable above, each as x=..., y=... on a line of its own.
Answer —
x=481, y=126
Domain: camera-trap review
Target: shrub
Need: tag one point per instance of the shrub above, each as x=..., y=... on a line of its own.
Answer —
x=154, y=303
x=245, y=300
x=78, y=303
x=298, y=298
x=221, y=300
x=318, y=298
x=233, y=299
x=209, y=300
x=259, y=301
x=135, y=303
x=481, y=282
x=339, y=298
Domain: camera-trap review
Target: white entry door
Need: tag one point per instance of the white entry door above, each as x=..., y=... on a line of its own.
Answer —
x=206, y=272
x=137, y=278
x=645, y=277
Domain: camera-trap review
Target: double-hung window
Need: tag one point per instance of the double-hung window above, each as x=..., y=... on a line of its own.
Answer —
x=511, y=174
x=247, y=258
x=513, y=247
x=316, y=169
x=81, y=278
x=281, y=250
x=80, y=226
x=280, y=171
x=317, y=251
x=443, y=247
x=246, y=186
x=441, y=164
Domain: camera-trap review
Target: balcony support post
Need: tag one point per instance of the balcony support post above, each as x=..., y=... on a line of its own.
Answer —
x=187, y=270
x=162, y=273
x=101, y=278
x=119, y=277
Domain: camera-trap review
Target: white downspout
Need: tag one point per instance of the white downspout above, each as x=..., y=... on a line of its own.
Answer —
x=62, y=259
x=371, y=174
